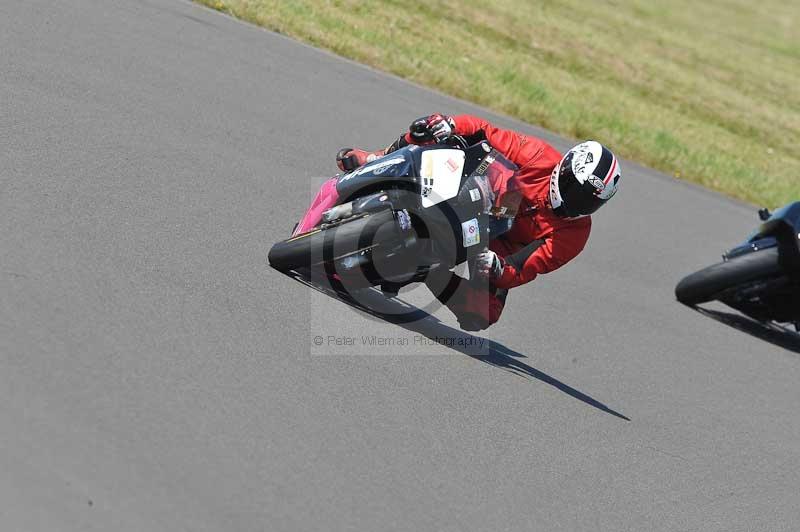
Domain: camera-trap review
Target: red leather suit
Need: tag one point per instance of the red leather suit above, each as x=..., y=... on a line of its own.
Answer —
x=560, y=239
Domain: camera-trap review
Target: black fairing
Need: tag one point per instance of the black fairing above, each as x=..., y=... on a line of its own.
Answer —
x=400, y=167
x=402, y=173
x=393, y=182
x=781, y=229
x=784, y=226
x=774, y=298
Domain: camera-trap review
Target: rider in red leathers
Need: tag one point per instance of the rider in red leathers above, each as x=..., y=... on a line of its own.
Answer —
x=550, y=230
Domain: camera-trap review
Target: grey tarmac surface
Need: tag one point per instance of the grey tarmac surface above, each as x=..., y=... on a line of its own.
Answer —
x=156, y=375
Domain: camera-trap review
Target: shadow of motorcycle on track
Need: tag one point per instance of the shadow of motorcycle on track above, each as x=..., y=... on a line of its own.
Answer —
x=767, y=332
x=395, y=310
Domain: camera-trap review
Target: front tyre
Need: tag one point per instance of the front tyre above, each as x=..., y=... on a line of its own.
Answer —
x=322, y=245
x=708, y=283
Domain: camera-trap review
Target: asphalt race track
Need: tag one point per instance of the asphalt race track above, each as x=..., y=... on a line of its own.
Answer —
x=155, y=374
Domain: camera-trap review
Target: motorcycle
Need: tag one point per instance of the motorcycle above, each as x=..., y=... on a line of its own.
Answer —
x=760, y=277
x=390, y=222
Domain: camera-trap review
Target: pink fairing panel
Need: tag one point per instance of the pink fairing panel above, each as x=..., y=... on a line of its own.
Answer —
x=326, y=198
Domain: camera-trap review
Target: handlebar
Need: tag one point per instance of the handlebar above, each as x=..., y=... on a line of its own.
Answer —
x=456, y=141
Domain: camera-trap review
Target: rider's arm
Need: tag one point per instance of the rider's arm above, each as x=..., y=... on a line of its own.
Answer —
x=518, y=148
x=401, y=142
x=563, y=245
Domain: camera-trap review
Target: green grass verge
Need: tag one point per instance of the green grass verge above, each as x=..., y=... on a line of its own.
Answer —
x=706, y=91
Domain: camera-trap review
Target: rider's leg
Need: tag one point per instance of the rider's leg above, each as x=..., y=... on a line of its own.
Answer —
x=475, y=303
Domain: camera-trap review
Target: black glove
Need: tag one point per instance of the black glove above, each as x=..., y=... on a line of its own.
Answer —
x=436, y=127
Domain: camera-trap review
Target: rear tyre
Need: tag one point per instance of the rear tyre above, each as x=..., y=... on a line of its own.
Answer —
x=321, y=245
x=708, y=283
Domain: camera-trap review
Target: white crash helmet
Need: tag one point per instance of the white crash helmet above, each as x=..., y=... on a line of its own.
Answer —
x=584, y=180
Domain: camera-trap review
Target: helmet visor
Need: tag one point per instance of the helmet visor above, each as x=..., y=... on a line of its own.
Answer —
x=578, y=199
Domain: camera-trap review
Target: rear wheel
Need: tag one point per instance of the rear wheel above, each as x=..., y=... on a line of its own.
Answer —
x=708, y=283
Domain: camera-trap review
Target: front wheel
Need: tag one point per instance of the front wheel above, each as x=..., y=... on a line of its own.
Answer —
x=708, y=283
x=322, y=245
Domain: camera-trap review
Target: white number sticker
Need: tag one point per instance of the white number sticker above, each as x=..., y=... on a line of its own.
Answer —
x=441, y=175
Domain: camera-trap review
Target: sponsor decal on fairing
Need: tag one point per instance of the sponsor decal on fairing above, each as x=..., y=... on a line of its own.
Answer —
x=471, y=232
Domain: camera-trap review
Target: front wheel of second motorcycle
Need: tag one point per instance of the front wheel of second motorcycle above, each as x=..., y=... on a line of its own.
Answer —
x=706, y=284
